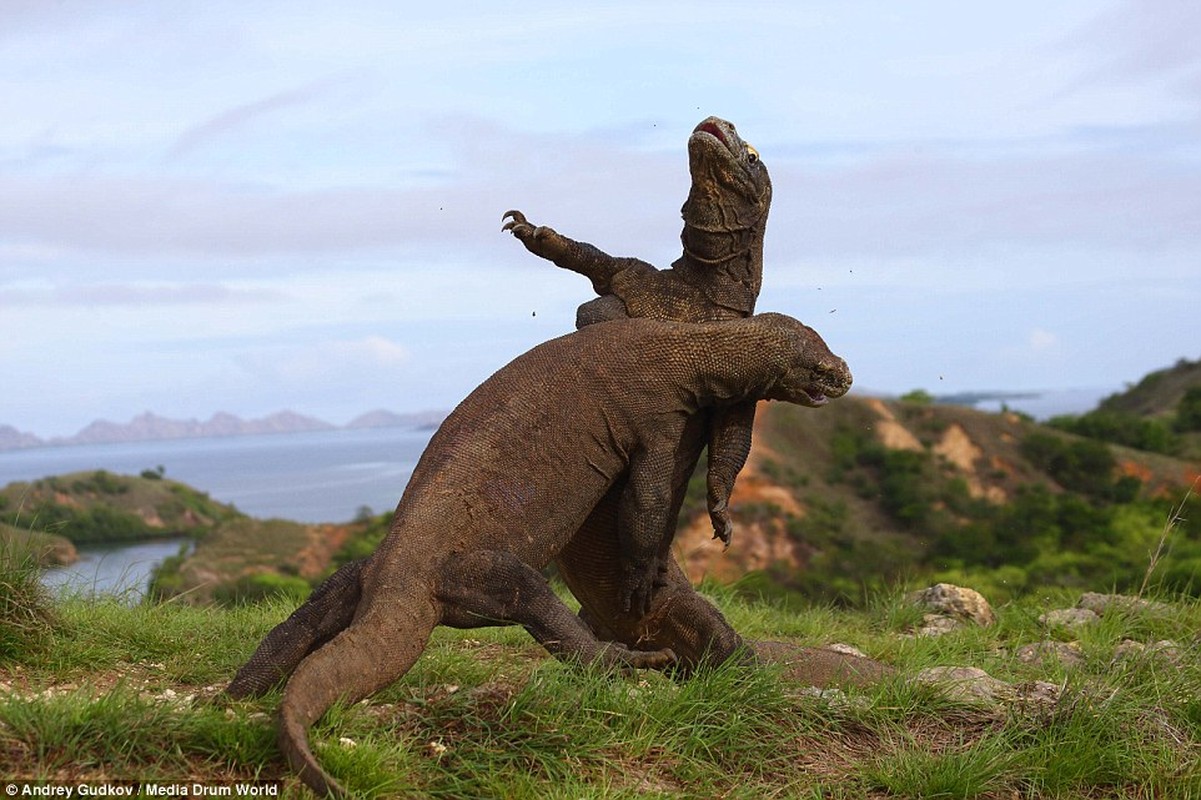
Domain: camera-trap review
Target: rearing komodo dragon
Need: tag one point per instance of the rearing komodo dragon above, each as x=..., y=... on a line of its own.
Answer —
x=717, y=278
x=512, y=474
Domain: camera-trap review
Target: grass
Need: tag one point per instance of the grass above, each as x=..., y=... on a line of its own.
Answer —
x=118, y=692
x=26, y=611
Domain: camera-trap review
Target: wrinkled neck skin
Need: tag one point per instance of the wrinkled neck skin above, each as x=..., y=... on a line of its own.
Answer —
x=725, y=218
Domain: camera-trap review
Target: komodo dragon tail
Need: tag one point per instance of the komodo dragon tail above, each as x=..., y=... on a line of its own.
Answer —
x=379, y=647
x=327, y=612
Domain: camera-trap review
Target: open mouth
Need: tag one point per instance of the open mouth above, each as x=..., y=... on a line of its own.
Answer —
x=728, y=139
x=714, y=131
x=813, y=397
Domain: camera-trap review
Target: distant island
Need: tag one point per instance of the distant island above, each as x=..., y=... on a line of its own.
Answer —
x=152, y=427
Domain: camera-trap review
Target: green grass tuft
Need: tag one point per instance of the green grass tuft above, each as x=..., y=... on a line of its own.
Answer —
x=26, y=610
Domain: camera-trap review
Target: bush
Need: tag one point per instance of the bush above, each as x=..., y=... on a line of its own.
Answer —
x=918, y=397
x=100, y=482
x=1081, y=466
x=1122, y=428
x=262, y=586
x=166, y=580
x=1188, y=411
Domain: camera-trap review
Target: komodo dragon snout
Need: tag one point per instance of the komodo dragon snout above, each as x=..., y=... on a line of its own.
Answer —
x=814, y=375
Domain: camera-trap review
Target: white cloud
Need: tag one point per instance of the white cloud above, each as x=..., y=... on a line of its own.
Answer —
x=293, y=365
x=1041, y=340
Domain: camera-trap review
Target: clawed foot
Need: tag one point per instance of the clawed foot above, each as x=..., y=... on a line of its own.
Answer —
x=517, y=224
x=618, y=655
x=640, y=583
x=723, y=527
x=538, y=239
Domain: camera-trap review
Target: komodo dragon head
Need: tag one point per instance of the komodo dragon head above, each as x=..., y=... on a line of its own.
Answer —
x=726, y=210
x=812, y=375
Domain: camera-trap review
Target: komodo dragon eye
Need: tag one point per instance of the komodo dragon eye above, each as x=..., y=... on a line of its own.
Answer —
x=752, y=154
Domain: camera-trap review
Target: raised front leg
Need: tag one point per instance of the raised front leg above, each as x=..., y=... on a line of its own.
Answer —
x=729, y=446
x=494, y=587
x=588, y=260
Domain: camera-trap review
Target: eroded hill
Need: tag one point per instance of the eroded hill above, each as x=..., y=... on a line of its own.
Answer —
x=867, y=492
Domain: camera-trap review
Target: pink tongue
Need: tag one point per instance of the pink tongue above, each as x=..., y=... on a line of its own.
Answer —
x=710, y=128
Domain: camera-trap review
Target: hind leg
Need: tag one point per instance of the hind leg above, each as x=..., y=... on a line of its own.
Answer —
x=680, y=618
x=494, y=587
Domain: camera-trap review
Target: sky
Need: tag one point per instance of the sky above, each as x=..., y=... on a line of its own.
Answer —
x=253, y=206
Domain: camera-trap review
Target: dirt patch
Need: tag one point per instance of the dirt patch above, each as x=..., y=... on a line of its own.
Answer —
x=891, y=432
x=958, y=448
x=323, y=542
x=961, y=452
x=758, y=544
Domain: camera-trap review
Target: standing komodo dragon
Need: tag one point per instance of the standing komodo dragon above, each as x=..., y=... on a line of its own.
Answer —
x=717, y=278
x=513, y=472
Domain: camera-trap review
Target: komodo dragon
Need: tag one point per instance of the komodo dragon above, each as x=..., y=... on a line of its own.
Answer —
x=511, y=475
x=717, y=278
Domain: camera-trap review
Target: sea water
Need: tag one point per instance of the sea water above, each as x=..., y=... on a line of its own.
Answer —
x=325, y=476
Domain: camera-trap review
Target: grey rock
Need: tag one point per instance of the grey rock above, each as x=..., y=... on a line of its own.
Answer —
x=955, y=601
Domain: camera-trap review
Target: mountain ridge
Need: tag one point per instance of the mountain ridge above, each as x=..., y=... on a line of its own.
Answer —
x=149, y=426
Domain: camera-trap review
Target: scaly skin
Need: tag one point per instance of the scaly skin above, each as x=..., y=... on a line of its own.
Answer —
x=511, y=475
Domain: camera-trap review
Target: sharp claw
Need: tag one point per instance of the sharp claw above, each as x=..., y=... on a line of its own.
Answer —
x=724, y=531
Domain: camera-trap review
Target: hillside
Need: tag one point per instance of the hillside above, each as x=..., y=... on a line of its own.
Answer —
x=1161, y=413
x=235, y=557
x=100, y=506
x=868, y=492
x=1158, y=393
x=835, y=504
x=43, y=549
x=849, y=500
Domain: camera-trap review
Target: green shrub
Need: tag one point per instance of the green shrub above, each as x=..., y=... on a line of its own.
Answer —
x=100, y=482
x=1081, y=466
x=262, y=586
x=1188, y=411
x=918, y=397
x=1122, y=428
x=166, y=580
